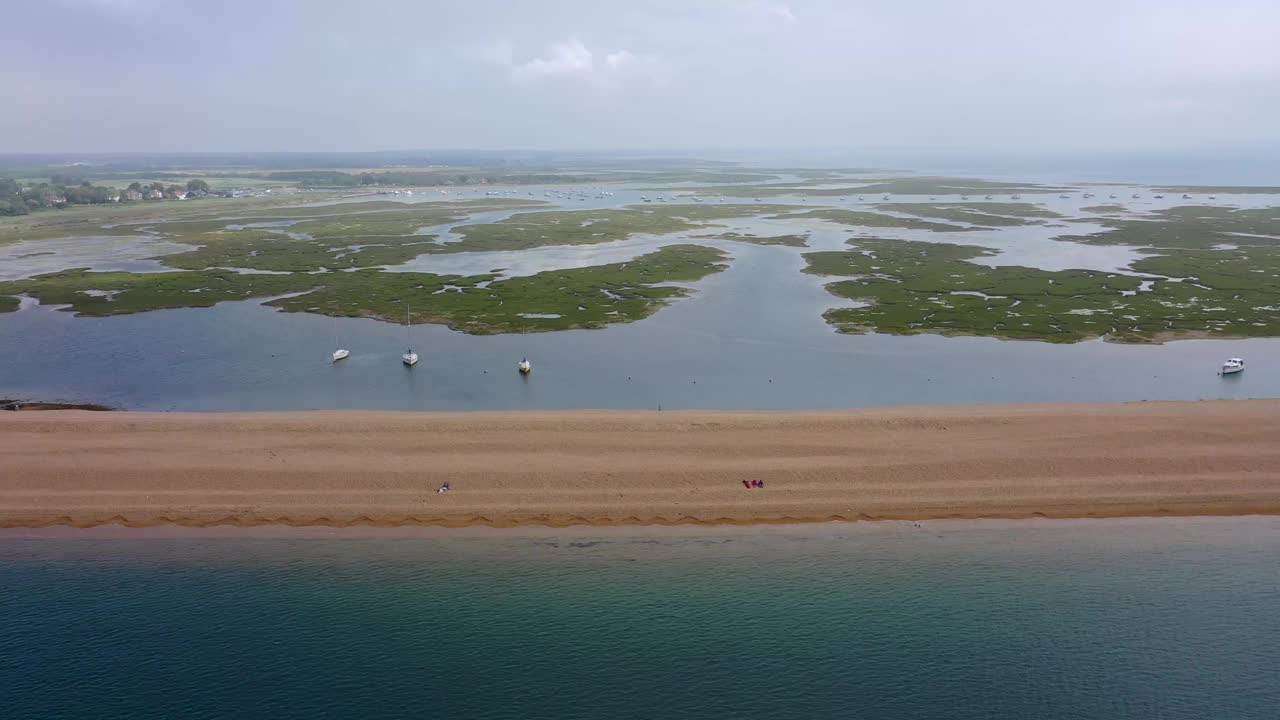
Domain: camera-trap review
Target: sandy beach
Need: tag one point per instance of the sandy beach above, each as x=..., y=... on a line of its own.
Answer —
x=614, y=468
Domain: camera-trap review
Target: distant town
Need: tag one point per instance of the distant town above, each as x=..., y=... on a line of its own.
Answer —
x=62, y=191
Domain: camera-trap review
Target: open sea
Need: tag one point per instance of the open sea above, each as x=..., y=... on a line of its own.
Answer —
x=1169, y=619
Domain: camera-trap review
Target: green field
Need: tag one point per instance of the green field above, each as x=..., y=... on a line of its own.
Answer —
x=1220, y=189
x=871, y=219
x=992, y=214
x=88, y=220
x=589, y=297
x=365, y=235
x=1190, y=227
x=916, y=287
x=788, y=240
x=371, y=235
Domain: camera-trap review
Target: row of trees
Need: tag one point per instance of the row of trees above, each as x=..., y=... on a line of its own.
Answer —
x=337, y=178
x=63, y=190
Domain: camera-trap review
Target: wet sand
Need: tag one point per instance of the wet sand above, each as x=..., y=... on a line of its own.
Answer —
x=617, y=468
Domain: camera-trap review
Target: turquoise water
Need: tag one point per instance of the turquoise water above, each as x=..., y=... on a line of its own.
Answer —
x=1113, y=619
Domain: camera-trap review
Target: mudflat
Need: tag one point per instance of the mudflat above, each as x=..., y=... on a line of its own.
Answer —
x=639, y=467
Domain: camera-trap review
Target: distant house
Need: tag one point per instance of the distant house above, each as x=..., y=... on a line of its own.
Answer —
x=155, y=195
x=114, y=197
x=180, y=194
x=133, y=195
x=56, y=199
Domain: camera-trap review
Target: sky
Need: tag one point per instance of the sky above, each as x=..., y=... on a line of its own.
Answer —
x=683, y=75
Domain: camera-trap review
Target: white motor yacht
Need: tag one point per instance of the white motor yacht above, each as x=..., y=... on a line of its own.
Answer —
x=1232, y=366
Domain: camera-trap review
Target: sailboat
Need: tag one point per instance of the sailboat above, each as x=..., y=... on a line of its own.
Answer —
x=523, y=366
x=410, y=357
x=339, y=352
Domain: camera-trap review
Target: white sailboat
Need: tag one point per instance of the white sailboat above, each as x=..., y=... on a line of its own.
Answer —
x=524, y=367
x=410, y=357
x=339, y=352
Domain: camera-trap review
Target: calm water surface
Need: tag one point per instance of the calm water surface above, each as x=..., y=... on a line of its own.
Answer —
x=751, y=337
x=1112, y=619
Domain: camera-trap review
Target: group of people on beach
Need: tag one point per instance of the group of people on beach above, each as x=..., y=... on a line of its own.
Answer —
x=752, y=484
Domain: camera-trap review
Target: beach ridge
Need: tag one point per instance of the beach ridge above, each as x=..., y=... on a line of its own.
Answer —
x=609, y=468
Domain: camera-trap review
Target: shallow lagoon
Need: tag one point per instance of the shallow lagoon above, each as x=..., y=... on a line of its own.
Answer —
x=751, y=337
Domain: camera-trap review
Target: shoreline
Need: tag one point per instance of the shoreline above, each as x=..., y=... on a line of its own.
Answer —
x=561, y=469
x=834, y=529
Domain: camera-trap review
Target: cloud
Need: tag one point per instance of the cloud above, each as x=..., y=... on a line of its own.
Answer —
x=769, y=10
x=567, y=59
x=574, y=61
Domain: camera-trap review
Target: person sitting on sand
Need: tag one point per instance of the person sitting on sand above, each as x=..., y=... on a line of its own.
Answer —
x=746, y=484
x=443, y=489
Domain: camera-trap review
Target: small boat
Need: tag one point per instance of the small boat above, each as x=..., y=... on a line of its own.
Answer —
x=1232, y=366
x=861, y=199
x=1016, y=197
x=1213, y=197
x=988, y=197
x=886, y=197
x=524, y=367
x=964, y=197
x=1186, y=196
x=1158, y=197
x=1063, y=196
x=410, y=358
x=339, y=352
x=1136, y=196
x=1113, y=196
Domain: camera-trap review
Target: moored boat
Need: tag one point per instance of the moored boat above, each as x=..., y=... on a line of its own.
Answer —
x=410, y=358
x=339, y=352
